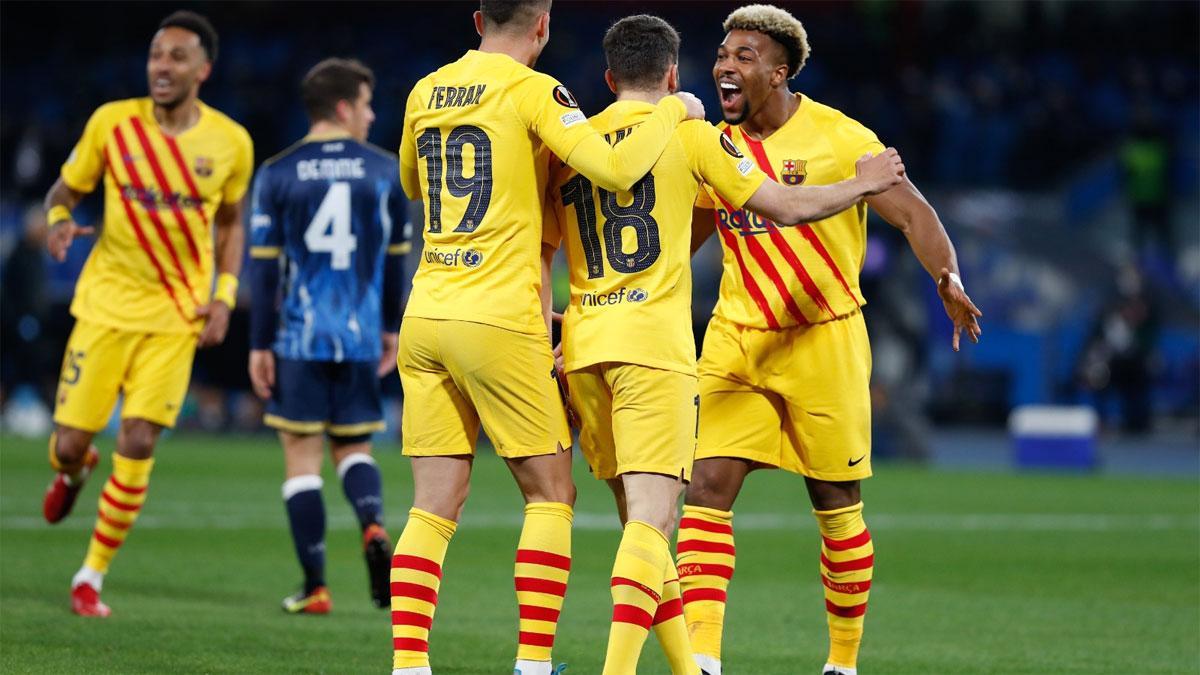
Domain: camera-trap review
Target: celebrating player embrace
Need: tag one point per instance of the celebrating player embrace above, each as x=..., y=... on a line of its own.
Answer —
x=174, y=171
x=628, y=348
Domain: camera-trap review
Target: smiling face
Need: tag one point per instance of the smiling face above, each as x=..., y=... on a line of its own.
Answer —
x=176, y=67
x=749, y=67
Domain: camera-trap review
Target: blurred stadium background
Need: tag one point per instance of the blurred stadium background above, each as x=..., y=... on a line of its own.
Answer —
x=1059, y=141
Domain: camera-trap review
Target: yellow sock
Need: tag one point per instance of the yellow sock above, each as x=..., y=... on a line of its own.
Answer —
x=540, y=576
x=120, y=502
x=416, y=578
x=705, y=560
x=847, y=563
x=670, y=628
x=637, y=581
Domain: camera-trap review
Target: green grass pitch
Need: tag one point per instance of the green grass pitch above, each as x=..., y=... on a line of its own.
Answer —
x=975, y=573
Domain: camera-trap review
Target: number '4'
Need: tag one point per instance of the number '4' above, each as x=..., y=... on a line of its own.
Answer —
x=329, y=232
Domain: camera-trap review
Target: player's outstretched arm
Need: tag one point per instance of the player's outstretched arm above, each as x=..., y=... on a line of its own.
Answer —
x=59, y=203
x=231, y=241
x=908, y=211
x=803, y=204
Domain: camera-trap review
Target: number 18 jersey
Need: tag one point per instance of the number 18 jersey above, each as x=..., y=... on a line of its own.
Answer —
x=331, y=210
x=629, y=253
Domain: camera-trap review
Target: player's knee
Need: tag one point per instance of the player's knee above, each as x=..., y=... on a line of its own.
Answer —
x=70, y=448
x=708, y=491
x=138, y=438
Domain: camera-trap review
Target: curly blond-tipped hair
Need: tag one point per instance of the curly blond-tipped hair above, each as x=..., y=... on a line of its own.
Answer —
x=777, y=24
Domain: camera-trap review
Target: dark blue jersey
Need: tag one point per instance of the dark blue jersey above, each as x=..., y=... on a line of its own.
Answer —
x=332, y=213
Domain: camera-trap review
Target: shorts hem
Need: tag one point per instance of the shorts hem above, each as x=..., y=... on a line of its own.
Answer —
x=166, y=423
x=88, y=427
x=533, y=450
x=355, y=429
x=740, y=453
x=671, y=471
x=294, y=426
x=838, y=477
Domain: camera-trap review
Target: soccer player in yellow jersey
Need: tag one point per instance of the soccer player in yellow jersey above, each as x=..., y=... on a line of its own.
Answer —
x=785, y=364
x=175, y=171
x=628, y=348
x=477, y=144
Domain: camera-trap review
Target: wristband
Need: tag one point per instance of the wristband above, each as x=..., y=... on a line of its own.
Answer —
x=57, y=214
x=227, y=286
x=954, y=279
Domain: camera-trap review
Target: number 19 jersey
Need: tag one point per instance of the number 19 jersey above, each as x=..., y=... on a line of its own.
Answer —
x=629, y=253
x=477, y=144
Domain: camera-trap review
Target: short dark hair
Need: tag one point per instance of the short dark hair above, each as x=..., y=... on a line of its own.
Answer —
x=640, y=49
x=330, y=81
x=519, y=13
x=198, y=25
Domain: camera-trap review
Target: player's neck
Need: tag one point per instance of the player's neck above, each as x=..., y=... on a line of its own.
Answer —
x=651, y=97
x=779, y=108
x=176, y=119
x=521, y=50
x=327, y=129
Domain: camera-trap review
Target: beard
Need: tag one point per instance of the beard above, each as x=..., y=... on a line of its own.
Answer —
x=739, y=117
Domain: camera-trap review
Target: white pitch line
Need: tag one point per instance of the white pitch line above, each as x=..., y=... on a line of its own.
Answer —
x=928, y=522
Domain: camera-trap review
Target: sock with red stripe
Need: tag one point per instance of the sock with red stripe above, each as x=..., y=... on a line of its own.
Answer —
x=637, y=582
x=847, y=564
x=120, y=503
x=705, y=560
x=540, y=578
x=416, y=578
x=670, y=628
x=306, y=519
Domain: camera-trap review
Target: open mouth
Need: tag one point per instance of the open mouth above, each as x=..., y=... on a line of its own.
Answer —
x=731, y=95
x=161, y=85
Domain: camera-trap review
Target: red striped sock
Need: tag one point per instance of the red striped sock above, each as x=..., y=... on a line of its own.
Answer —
x=637, y=583
x=416, y=579
x=540, y=576
x=670, y=627
x=847, y=566
x=705, y=559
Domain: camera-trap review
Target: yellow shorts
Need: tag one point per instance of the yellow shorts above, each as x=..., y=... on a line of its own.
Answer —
x=635, y=419
x=798, y=398
x=151, y=369
x=457, y=373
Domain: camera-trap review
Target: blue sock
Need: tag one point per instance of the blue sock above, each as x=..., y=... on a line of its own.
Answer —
x=306, y=515
x=363, y=486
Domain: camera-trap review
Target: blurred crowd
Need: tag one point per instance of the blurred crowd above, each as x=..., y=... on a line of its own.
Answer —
x=1060, y=142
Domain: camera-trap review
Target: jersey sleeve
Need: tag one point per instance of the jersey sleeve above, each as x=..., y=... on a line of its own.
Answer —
x=550, y=111
x=243, y=167
x=852, y=140
x=410, y=178
x=717, y=162
x=266, y=228
x=85, y=164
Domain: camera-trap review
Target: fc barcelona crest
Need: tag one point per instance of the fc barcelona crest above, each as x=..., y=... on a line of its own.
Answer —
x=793, y=171
x=204, y=166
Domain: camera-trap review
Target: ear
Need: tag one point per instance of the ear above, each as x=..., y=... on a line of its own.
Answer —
x=479, y=22
x=673, y=78
x=779, y=76
x=608, y=79
x=343, y=111
x=205, y=71
x=543, y=27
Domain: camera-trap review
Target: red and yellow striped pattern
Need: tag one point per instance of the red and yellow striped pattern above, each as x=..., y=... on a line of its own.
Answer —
x=705, y=558
x=670, y=627
x=416, y=578
x=777, y=276
x=540, y=576
x=847, y=566
x=637, y=583
x=120, y=503
x=153, y=264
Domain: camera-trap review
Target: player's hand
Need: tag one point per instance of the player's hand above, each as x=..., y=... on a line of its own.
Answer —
x=880, y=173
x=387, y=361
x=695, y=109
x=216, y=323
x=262, y=372
x=959, y=308
x=62, y=234
x=560, y=370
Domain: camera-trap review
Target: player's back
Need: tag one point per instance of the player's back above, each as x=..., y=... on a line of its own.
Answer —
x=483, y=174
x=629, y=253
x=331, y=207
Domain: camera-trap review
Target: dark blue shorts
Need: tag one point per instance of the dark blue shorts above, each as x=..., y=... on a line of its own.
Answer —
x=340, y=399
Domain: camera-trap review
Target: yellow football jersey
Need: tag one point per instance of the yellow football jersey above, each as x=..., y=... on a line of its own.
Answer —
x=477, y=144
x=153, y=263
x=629, y=253
x=787, y=276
